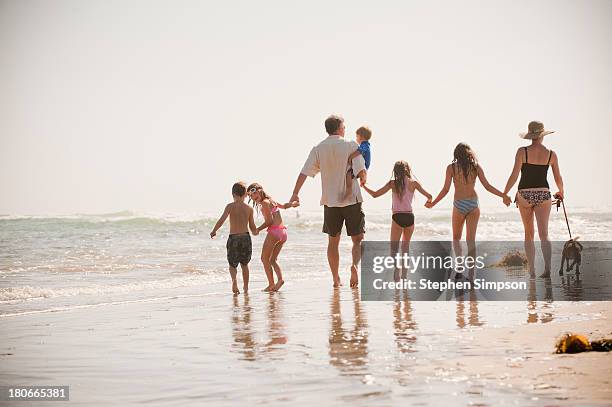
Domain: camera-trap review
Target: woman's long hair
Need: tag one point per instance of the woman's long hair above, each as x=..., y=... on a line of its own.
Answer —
x=465, y=159
x=401, y=170
x=262, y=193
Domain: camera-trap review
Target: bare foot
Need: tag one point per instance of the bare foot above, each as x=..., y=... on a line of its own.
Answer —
x=546, y=273
x=278, y=284
x=235, y=289
x=337, y=283
x=354, y=277
x=245, y=288
x=268, y=289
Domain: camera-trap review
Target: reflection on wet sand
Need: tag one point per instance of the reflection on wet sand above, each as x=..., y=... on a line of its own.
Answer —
x=242, y=330
x=473, y=318
x=404, y=331
x=532, y=304
x=403, y=323
x=572, y=287
x=545, y=315
x=348, y=348
x=276, y=323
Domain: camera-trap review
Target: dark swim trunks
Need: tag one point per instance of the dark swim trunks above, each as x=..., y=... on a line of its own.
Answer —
x=239, y=249
x=403, y=219
x=334, y=217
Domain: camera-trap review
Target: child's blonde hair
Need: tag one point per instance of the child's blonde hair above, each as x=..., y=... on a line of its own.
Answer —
x=364, y=132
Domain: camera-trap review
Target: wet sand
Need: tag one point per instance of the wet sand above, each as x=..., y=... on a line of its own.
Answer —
x=308, y=344
x=521, y=357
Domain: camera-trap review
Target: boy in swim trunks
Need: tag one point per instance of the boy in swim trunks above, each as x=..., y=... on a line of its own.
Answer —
x=363, y=135
x=239, y=246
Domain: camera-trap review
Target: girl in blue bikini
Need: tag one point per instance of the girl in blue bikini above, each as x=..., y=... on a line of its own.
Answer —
x=463, y=172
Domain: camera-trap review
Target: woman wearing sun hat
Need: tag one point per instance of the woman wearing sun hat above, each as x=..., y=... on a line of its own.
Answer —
x=533, y=197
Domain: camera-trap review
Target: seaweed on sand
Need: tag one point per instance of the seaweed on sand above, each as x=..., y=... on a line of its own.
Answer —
x=576, y=343
x=513, y=259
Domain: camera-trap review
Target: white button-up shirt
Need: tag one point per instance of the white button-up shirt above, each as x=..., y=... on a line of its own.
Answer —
x=330, y=158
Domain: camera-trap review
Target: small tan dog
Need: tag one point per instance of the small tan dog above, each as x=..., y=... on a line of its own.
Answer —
x=572, y=250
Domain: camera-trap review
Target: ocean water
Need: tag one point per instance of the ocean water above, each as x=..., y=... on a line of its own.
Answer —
x=134, y=309
x=54, y=262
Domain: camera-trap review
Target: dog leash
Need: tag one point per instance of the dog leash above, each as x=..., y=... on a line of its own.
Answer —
x=559, y=203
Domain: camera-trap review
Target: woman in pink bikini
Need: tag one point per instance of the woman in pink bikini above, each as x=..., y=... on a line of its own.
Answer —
x=277, y=233
x=403, y=187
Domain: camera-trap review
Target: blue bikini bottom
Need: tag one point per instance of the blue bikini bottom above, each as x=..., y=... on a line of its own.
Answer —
x=465, y=206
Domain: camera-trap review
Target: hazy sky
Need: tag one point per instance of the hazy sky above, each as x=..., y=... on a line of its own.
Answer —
x=161, y=105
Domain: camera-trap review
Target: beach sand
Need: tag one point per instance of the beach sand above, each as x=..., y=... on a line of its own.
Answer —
x=521, y=357
x=308, y=344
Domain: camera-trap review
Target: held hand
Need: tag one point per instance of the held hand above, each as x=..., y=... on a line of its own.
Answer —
x=294, y=198
x=213, y=234
x=429, y=204
x=559, y=195
x=507, y=200
x=256, y=232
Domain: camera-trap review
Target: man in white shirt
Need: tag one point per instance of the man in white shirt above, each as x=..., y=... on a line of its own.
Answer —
x=330, y=158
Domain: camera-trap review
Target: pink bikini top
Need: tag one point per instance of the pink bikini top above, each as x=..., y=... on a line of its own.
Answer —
x=273, y=227
x=403, y=203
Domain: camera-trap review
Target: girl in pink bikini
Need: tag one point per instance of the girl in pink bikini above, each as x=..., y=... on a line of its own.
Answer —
x=277, y=233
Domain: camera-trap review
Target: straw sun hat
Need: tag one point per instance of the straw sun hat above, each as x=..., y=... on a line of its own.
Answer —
x=535, y=130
